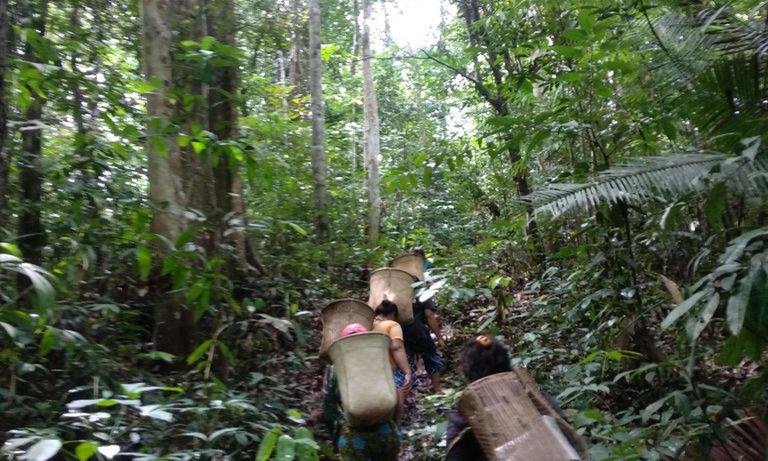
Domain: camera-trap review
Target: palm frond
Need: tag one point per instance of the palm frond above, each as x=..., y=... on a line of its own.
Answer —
x=733, y=33
x=646, y=178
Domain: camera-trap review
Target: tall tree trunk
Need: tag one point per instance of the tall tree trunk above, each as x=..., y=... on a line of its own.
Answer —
x=371, y=133
x=173, y=322
x=4, y=155
x=294, y=69
x=31, y=231
x=223, y=121
x=320, y=192
x=85, y=204
x=353, y=136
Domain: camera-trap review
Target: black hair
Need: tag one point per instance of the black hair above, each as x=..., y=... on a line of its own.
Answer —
x=483, y=356
x=386, y=308
x=418, y=251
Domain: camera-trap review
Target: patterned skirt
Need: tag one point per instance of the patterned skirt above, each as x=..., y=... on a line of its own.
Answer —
x=376, y=443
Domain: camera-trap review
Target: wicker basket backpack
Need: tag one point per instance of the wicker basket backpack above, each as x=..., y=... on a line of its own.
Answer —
x=512, y=420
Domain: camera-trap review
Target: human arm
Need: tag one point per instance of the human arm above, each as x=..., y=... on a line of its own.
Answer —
x=433, y=321
x=397, y=349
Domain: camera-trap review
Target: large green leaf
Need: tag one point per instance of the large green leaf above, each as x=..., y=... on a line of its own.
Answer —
x=683, y=308
x=286, y=448
x=268, y=444
x=143, y=261
x=738, y=302
x=697, y=323
x=716, y=206
x=43, y=450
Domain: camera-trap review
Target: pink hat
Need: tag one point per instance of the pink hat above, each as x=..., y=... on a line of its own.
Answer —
x=352, y=329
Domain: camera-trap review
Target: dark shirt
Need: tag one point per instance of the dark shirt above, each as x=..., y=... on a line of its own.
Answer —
x=416, y=333
x=466, y=448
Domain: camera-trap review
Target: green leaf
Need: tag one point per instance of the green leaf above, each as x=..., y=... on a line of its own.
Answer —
x=158, y=145
x=651, y=409
x=198, y=146
x=207, y=42
x=576, y=35
x=738, y=302
x=227, y=430
x=697, y=324
x=732, y=351
x=286, y=448
x=586, y=20
x=716, y=206
x=143, y=261
x=567, y=51
x=571, y=76
x=11, y=249
x=43, y=288
x=683, y=308
x=751, y=147
x=268, y=444
x=160, y=355
x=226, y=352
x=145, y=87
x=43, y=450
x=86, y=450
x=48, y=341
x=199, y=351
x=299, y=230
x=671, y=216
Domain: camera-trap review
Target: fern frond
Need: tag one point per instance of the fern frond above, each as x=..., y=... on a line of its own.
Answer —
x=645, y=178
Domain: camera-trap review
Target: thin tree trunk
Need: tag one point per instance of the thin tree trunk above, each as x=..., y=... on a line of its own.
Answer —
x=294, y=69
x=173, y=322
x=223, y=122
x=371, y=133
x=320, y=191
x=353, y=73
x=4, y=154
x=85, y=198
x=31, y=232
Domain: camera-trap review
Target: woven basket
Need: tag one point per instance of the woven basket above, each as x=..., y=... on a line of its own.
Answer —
x=411, y=263
x=512, y=421
x=366, y=382
x=340, y=313
x=394, y=285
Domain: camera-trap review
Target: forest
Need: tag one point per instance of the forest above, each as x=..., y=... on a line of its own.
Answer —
x=185, y=184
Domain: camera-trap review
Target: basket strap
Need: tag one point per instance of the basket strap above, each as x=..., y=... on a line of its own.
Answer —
x=457, y=438
x=545, y=408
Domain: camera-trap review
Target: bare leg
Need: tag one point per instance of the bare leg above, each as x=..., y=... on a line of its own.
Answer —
x=400, y=409
x=437, y=385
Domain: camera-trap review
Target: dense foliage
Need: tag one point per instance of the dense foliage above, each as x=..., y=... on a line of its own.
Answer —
x=588, y=178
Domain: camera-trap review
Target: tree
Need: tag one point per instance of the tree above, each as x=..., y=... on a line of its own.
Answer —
x=320, y=190
x=4, y=155
x=371, y=133
x=32, y=236
x=173, y=324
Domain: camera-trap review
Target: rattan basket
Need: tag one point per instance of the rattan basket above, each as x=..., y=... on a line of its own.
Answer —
x=366, y=381
x=411, y=263
x=394, y=285
x=513, y=421
x=340, y=313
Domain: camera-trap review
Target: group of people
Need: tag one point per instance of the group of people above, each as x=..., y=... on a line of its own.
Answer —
x=481, y=356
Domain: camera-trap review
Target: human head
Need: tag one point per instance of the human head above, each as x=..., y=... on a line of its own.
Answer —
x=482, y=356
x=387, y=309
x=419, y=251
x=353, y=328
